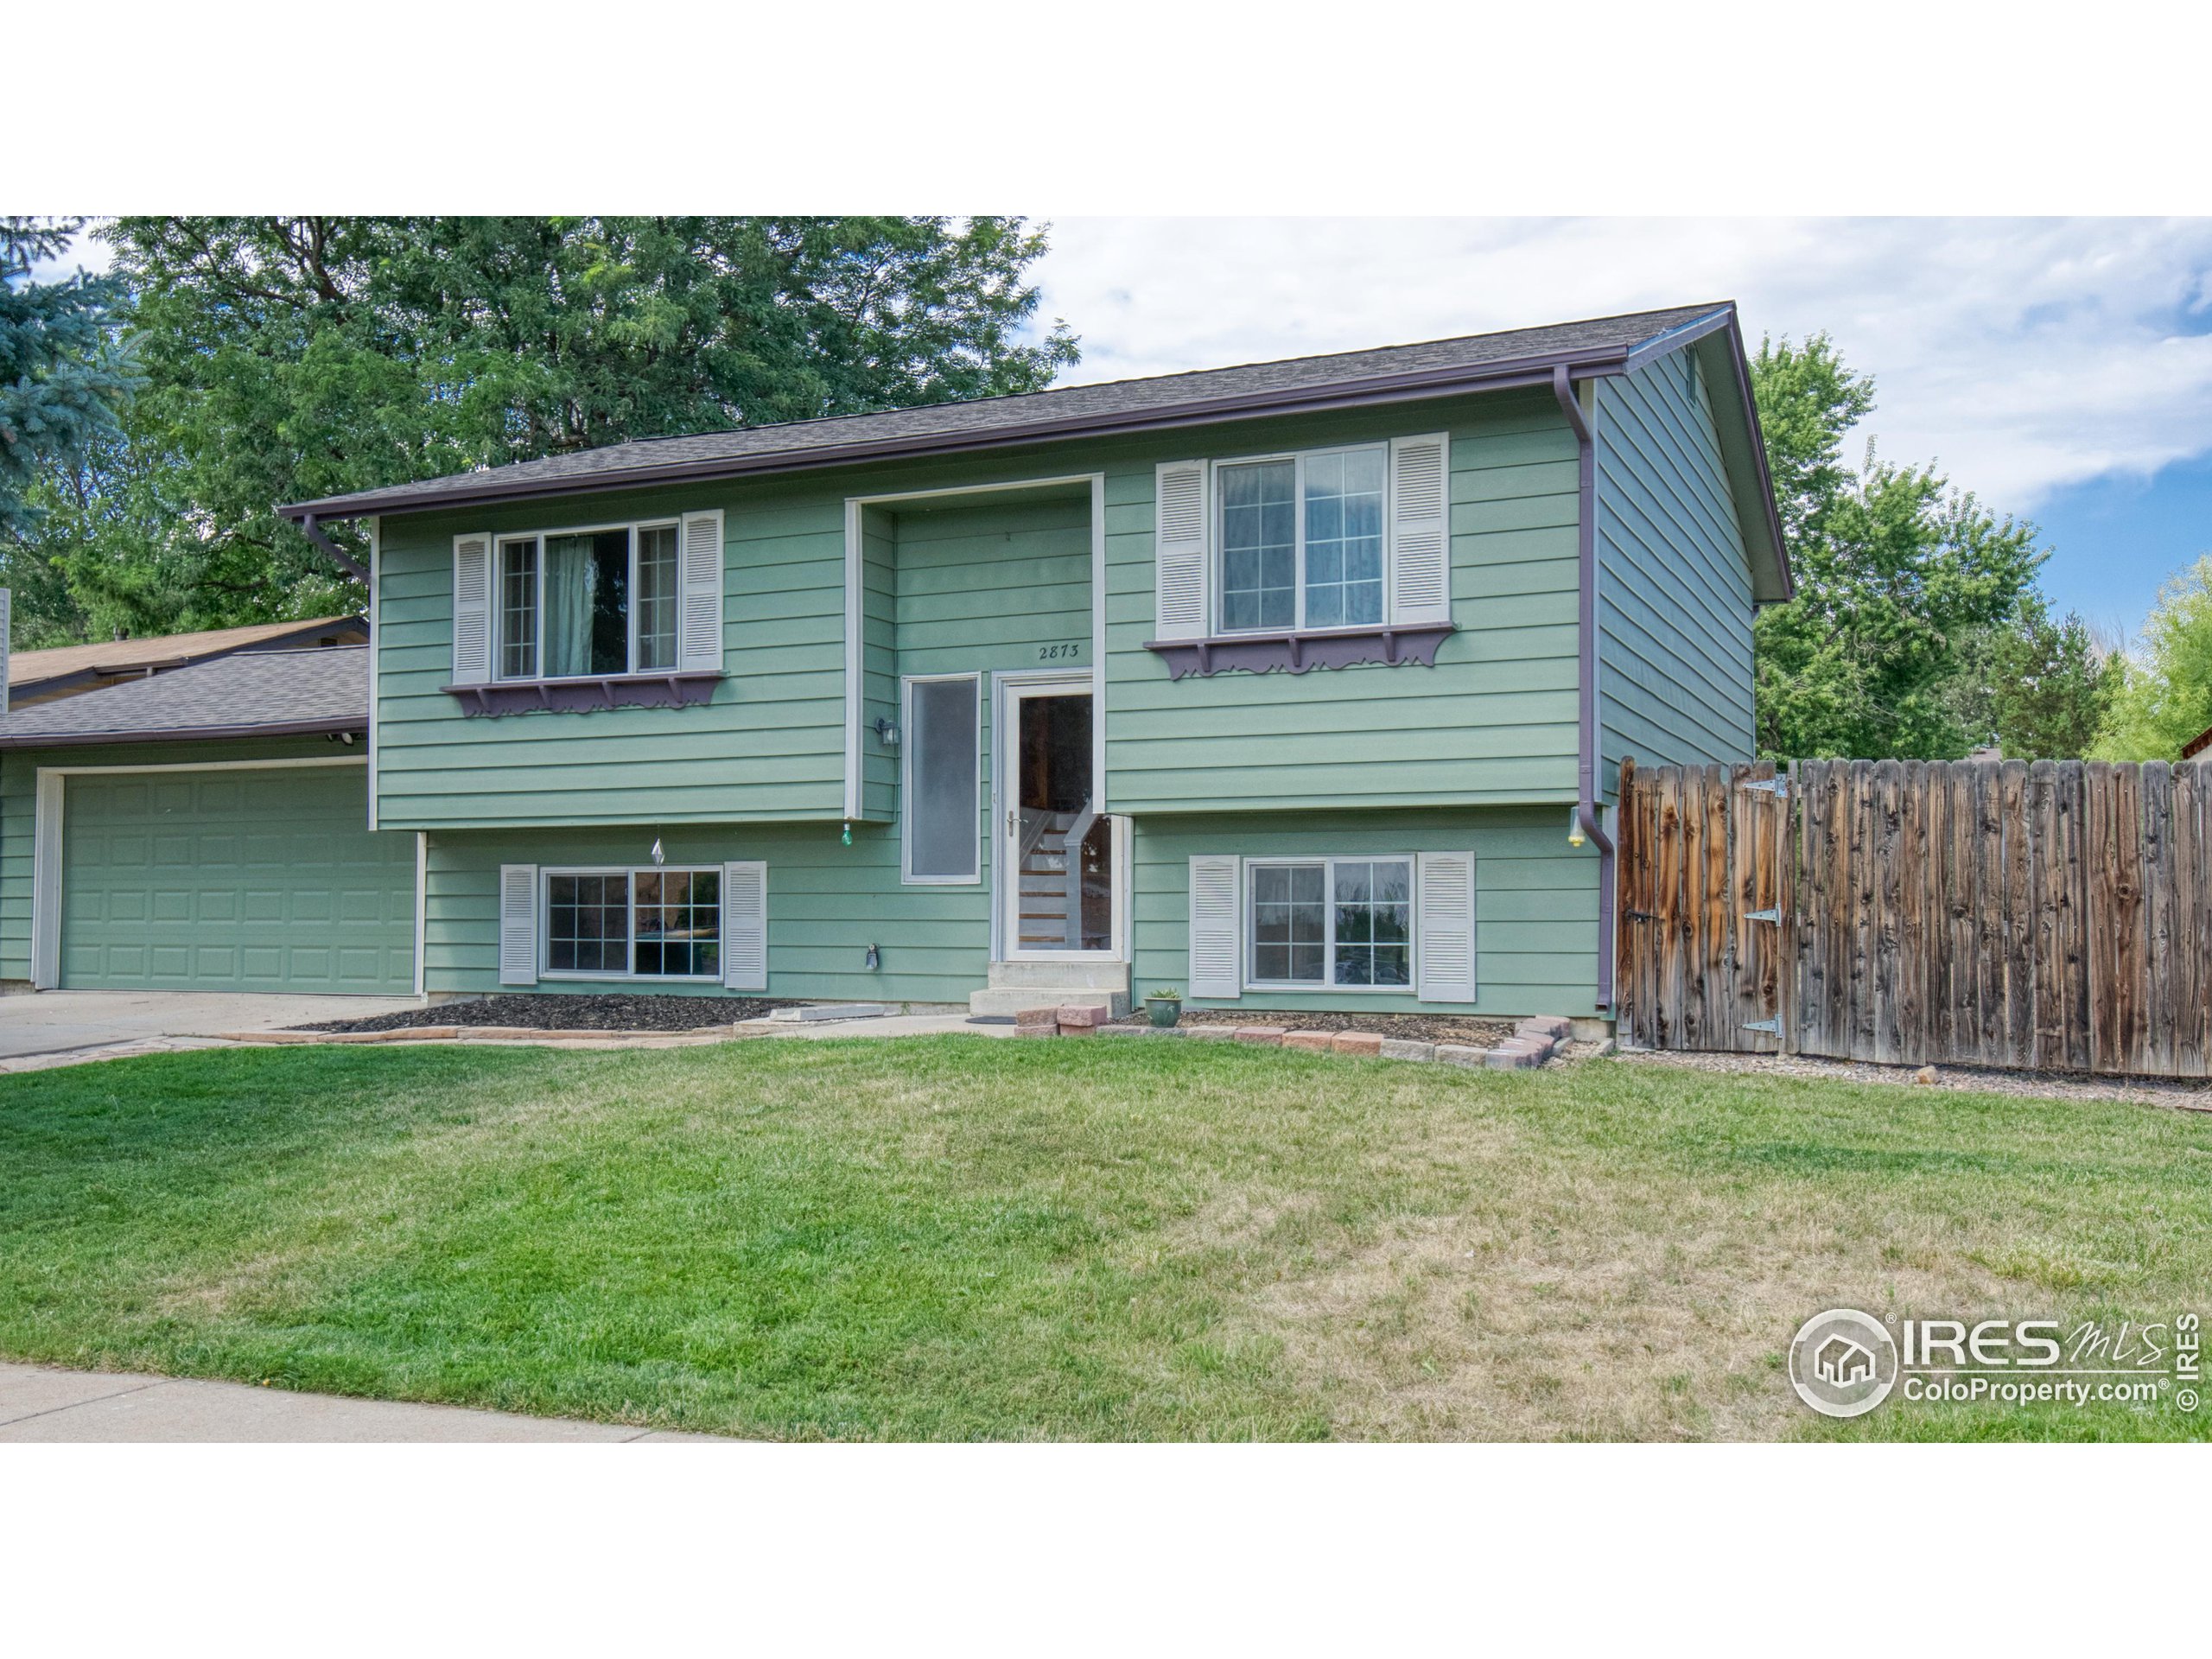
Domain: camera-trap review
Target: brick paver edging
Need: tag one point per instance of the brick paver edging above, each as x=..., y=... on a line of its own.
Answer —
x=1533, y=1042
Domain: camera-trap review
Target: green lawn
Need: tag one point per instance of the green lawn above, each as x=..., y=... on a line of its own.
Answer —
x=960, y=1238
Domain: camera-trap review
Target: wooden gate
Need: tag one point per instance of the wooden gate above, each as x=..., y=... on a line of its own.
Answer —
x=2052, y=915
x=1701, y=856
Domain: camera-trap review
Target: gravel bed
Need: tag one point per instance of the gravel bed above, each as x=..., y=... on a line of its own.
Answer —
x=2041, y=1085
x=1414, y=1027
x=613, y=1011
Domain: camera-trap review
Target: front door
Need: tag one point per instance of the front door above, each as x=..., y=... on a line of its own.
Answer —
x=1056, y=864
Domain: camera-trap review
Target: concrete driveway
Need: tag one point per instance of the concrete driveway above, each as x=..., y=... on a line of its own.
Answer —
x=49, y=1022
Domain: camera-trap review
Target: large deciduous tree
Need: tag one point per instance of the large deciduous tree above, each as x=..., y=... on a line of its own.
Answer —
x=2164, y=697
x=1908, y=592
x=289, y=358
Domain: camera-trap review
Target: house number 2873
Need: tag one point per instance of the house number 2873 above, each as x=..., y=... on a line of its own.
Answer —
x=1055, y=653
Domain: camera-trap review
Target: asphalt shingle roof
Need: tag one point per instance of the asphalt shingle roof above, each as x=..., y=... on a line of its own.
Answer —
x=27, y=668
x=322, y=689
x=1044, y=413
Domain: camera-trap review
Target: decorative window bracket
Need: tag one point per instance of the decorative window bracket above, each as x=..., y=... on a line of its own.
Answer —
x=613, y=691
x=1295, y=653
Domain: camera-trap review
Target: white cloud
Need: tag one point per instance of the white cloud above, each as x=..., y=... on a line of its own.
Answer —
x=2025, y=354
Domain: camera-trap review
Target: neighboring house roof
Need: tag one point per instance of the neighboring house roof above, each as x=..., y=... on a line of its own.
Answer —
x=251, y=694
x=1340, y=380
x=34, y=676
x=2197, y=745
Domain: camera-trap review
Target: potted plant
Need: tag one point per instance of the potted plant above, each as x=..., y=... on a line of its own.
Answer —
x=1165, y=1006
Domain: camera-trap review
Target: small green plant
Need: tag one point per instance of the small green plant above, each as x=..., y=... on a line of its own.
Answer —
x=1165, y=1007
x=1164, y=993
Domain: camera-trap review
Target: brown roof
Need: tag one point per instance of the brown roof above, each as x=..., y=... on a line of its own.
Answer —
x=2197, y=745
x=27, y=668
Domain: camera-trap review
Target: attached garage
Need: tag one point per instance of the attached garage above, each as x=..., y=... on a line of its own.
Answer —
x=242, y=878
x=205, y=829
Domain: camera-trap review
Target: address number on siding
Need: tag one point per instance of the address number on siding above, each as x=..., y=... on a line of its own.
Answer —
x=1055, y=653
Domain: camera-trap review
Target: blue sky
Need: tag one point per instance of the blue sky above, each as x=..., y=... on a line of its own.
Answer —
x=2061, y=369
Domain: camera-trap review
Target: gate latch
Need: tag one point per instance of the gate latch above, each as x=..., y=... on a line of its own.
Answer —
x=1773, y=1024
x=1771, y=913
x=1777, y=787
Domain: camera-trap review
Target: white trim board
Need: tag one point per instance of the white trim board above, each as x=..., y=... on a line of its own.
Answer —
x=855, y=653
x=376, y=550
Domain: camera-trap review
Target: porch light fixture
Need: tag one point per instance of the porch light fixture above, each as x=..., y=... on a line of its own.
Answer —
x=886, y=733
x=874, y=960
x=1574, y=826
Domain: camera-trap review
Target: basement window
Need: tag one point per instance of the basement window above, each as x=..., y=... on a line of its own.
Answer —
x=1341, y=922
x=633, y=923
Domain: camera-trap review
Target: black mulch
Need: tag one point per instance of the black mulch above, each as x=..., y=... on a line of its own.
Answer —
x=1411, y=1027
x=613, y=1010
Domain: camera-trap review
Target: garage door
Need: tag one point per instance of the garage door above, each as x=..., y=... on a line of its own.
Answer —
x=252, y=880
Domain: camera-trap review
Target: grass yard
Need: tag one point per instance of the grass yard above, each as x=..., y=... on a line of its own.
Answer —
x=961, y=1238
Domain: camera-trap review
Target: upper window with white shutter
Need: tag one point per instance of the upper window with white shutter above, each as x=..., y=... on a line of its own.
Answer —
x=572, y=613
x=1312, y=558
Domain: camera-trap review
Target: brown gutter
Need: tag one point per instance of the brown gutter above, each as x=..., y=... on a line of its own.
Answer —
x=1585, y=784
x=328, y=725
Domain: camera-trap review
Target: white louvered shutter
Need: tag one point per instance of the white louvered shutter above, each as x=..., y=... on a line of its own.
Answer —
x=472, y=609
x=1421, y=538
x=1178, y=543
x=517, y=924
x=745, y=926
x=1216, y=928
x=699, y=624
x=1444, y=927
x=6, y=634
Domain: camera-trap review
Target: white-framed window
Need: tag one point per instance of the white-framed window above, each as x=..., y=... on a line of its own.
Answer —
x=645, y=923
x=1344, y=924
x=587, y=603
x=1303, y=540
x=940, y=760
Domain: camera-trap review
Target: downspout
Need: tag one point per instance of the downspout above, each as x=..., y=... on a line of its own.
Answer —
x=345, y=561
x=1586, y=807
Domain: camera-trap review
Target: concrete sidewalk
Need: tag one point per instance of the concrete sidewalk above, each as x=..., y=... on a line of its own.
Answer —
x=42, y=1023
x=40, y=1403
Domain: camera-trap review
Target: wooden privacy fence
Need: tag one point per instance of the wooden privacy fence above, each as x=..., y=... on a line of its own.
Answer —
x=2051, y=915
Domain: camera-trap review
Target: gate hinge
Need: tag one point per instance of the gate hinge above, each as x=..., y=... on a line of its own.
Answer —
x=1773, y=1024
x=1771, y=913
x=1777, y=787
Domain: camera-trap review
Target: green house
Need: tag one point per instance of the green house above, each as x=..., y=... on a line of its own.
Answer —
x=1300, y=684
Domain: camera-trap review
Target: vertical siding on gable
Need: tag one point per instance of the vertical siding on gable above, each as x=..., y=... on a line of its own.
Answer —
x=1494, y=721
x=1675, y=586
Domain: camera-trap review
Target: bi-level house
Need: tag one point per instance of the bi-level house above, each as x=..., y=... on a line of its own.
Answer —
x=1300, y=684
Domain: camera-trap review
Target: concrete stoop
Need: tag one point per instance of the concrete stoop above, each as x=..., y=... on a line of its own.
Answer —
x=1015, y=986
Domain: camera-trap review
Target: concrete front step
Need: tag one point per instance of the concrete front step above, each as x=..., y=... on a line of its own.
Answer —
x=1005, y=1000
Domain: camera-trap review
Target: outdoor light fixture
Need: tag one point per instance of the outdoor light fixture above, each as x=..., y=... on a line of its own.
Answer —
x=886, y=733
x=1574, y=826
x=849, y=832
x=874, y=959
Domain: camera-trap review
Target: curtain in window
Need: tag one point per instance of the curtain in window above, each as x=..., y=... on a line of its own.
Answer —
x=568, y=584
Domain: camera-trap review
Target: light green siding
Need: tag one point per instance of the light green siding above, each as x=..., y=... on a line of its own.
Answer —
x=221, y=879
x=771, y=745
x=1536, y=901
x=827, y=904
x=1675, y=586
x=1494, y=721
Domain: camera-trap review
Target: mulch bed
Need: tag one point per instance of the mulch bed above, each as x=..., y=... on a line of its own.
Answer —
x=1411, y=1027
x=613, y=1010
